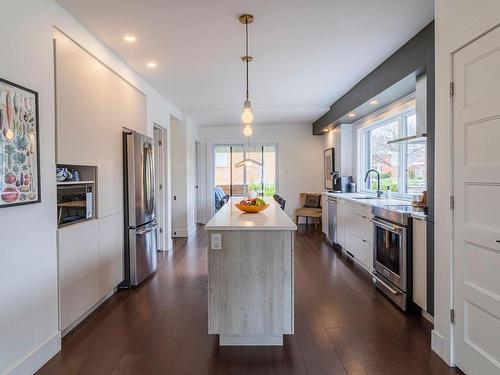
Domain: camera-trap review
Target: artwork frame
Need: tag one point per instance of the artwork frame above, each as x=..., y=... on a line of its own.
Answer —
x=329, y=167
x=19, y=145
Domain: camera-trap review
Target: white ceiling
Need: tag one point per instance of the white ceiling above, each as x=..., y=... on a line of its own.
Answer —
x=307, y=52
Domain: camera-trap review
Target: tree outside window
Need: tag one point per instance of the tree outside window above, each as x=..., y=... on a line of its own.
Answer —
x=402, y=166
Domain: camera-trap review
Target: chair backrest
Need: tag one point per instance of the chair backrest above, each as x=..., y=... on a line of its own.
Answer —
x=280, y=201
x=303, y=197
x=219, y=197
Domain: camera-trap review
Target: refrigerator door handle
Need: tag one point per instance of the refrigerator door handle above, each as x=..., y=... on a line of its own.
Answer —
x=148, y=178
x=140, y=232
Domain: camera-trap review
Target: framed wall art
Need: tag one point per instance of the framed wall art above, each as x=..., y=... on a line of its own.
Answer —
x=19, y=145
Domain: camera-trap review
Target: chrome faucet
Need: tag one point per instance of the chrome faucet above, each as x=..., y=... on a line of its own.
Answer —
x=379, y=192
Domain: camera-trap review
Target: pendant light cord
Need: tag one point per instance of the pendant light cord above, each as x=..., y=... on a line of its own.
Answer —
x=246, y=48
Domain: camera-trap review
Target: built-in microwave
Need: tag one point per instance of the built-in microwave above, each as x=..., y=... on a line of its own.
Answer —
x=74, y=203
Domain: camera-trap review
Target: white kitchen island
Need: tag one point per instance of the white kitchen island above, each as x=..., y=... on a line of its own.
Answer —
x=250, y=275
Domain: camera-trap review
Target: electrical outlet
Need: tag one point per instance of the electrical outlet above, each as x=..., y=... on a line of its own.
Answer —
x=216, y=240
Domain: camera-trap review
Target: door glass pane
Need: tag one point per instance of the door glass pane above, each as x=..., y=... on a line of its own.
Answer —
x=269, y=170
x=222, y=156
x=388, y=249
x=255, y=178
x=237, y=174
x=384, y=157
x=227, y=176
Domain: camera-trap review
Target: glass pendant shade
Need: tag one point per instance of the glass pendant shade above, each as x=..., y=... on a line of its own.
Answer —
x=247, y=115
x=247, y=131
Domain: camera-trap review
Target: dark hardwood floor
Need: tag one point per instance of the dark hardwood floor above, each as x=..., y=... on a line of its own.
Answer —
x=342, y=324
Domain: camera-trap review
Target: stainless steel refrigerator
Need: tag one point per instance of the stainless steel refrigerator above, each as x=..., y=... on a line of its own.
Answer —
x=139, y=208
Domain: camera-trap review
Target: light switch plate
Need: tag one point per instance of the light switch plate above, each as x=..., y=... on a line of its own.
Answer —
x=216, y=240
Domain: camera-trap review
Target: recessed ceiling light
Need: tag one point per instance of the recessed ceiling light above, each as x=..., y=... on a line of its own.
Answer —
x=351, y=115
x=151, y=64
x=373, y=101
x=129, y=38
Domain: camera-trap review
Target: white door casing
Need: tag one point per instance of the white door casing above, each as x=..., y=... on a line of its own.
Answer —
x=161, y=183
x=476, y=184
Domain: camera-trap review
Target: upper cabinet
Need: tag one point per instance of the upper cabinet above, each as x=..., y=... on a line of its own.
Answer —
x=93, y=106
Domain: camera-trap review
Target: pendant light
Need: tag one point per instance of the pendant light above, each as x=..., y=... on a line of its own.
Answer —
x=247, y=115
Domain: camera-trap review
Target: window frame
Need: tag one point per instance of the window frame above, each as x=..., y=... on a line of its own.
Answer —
x=364, y=153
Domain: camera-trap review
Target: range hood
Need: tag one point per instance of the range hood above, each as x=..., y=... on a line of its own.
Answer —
x=421, y=112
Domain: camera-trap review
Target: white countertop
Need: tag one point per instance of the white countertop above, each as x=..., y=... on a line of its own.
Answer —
x=354, y=197
x=231, y=218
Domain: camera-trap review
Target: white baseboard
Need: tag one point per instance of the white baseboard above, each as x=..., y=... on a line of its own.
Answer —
x=38, y=357
x=437, y=344
x=427, y=316
x=179, y=232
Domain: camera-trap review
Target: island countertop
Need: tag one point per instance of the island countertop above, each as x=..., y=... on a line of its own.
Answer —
x=231, y=218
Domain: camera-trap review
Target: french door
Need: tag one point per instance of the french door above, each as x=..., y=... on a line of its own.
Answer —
x=237, y=181
x=476, y=184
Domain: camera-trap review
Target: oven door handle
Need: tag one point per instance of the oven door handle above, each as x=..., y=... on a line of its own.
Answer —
x=395, y=292
x=392, y=228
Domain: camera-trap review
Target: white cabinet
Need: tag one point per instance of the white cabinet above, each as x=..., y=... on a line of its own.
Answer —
x=355, y=231
x=93, y=106
x=341, y=222
x=79, y=290
x=324, y=214
x=110, y=252
x=90, y=265
x=420, y=263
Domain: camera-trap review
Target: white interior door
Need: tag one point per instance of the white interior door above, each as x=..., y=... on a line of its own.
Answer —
x=476, y=133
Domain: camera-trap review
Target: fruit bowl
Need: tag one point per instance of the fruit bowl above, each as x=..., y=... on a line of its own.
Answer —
x=251, y=209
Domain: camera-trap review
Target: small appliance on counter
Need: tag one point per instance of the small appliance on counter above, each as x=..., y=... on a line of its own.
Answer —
x=342, y=184
x=139, y=204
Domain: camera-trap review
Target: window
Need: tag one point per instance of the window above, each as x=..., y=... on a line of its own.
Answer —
x=402, y=166
x=238, y=181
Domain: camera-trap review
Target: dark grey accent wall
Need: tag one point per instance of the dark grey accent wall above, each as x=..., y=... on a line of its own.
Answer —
x=416, y=56
x=410, y=58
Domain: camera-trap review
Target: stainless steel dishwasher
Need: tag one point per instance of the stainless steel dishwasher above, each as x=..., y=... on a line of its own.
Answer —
x=332, y=219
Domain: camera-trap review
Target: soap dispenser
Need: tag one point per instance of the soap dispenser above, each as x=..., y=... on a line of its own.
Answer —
x=388, y=193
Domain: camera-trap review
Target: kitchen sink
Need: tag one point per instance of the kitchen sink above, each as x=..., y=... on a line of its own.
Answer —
x=365, y=197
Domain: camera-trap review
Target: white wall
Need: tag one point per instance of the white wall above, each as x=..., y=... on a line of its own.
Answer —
x=457, y=23
x=29, y=333
x=184, y=136
x=300, y=159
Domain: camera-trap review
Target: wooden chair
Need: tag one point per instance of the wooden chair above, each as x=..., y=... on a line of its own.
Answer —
x=308, y=212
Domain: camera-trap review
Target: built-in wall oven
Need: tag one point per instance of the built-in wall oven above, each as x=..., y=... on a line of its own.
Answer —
x=391, y=253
